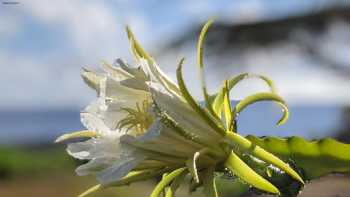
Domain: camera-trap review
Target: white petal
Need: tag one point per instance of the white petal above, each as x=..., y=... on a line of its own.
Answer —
x=136, y=72
x=93, y=166
x=115, y=90
x=116, y=73
x=118, y=170
x=103, y=117
x=162, y=139
x=92, y=79
x=156, y=75
x=135, y=83
x=81, y=150
x=104, y=146
x=102, y=152
x=93, y=123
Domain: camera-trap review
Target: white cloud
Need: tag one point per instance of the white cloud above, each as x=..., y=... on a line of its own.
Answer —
x=10, y=23
x=247, y=11
x=298, y=79
x=91, y=26
x=93, y=31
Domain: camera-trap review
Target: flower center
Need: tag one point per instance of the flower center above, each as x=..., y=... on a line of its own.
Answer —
x=138, y=119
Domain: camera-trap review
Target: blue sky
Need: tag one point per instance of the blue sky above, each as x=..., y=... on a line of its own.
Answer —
x=44, y=44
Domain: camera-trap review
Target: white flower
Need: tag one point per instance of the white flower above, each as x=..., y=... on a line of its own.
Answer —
x=144, y=125
x=108, y=158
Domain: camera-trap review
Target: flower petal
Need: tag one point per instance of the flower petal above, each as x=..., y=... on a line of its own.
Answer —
x=115, y=90
x=116, y=73
x=162, y=139
x=92, y=79
x=95, y=148
x=93, y=123
x=156, y=75
x=136, y=72
x=92, y=167
x=118, y=170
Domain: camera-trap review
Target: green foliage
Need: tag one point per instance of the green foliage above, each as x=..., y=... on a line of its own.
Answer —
x=25, y=161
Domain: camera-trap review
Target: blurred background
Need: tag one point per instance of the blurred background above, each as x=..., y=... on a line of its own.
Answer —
x=304, y=46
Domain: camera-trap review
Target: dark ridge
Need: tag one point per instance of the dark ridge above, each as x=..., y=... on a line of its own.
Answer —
x=264, y=32
x=302, y=30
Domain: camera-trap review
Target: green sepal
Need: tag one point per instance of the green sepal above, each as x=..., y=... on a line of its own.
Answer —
x=135, y=176
x=136, y=48
x=131, y=177
x=286, y=184
x=90, y=190
x=247, y=146
x=150, y=164
x=201, y=67
x=170, y=191
x=217, y=99
x=264, y=96
x=166, y=181
x=76, y=134
x=213, y=123
x=244, y=172
x=227, y=108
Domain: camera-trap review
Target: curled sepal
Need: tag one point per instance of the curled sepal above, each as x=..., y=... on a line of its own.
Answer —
x=244, y=172
x=192, y=102
x=209, y=182
x=77, y=134
x=267, y=80
x=264, y=96
x=201, y=66
x=201, y=40
x=167, y=180
x=218, y=98
x=245, y=145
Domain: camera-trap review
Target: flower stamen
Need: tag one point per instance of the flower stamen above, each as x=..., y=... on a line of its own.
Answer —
x=138, y=119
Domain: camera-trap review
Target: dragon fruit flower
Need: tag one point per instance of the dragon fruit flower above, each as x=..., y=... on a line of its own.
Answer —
x=143, y=125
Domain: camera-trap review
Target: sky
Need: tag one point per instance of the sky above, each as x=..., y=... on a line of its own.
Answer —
x=44, y=44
